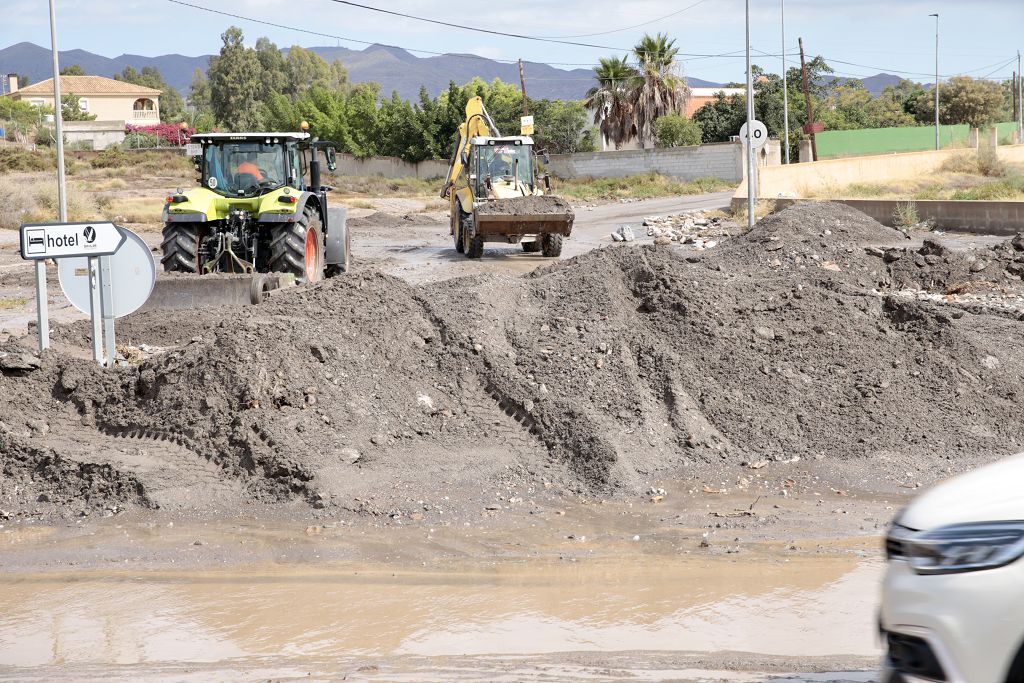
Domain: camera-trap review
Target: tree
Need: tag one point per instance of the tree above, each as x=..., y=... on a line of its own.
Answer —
x=963, y=100
x=660, y=90
x=304, y=69
x=561, y=127
x=613, y=110
x=275, y=71
x=675, y=130
x=721, y=118
x=236, y=84
x=71, y=109
x=199, y=97
x=73, y=70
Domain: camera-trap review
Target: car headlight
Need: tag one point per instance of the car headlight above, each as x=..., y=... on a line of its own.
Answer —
x=965, y=547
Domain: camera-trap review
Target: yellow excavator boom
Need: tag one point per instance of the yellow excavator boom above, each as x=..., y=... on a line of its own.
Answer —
x=478, y=123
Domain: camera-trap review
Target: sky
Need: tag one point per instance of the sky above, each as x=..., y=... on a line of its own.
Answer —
x=977, y=37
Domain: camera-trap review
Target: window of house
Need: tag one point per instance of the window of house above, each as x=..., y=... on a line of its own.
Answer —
x=36, y=103
x=83, y=104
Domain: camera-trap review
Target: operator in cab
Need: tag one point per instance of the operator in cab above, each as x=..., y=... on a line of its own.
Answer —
x=248, y=166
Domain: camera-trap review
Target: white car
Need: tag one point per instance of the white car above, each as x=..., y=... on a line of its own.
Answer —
x=953, y=596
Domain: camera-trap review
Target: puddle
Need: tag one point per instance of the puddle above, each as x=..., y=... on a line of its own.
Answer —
x=805, y=607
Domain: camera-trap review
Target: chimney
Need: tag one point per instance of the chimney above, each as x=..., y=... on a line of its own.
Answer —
x=12, y=83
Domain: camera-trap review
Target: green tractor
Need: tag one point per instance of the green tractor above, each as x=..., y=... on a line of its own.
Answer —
x=260, y=209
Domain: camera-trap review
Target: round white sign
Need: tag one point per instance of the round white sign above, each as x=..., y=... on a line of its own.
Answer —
x=759, y=135
x=132, y=275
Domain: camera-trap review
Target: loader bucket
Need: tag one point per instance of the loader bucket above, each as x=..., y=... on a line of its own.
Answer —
x=532, y=215
x=189, y=291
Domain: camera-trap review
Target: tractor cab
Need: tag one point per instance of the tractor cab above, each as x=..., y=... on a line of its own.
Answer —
x=501, y=167
x=251, y=164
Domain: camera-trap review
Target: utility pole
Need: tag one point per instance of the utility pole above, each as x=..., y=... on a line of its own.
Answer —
x=938, y=142
x=522, y=84
x=807, y=101
x=785, y=87
x=751, y=168
x=1016, y=92
x=58, y=119
x=1020, y=102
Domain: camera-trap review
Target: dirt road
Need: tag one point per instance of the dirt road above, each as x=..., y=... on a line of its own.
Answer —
x=678, y=455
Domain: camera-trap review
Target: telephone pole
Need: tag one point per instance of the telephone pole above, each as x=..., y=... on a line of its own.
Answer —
x=785, y=88
x=1020, y=102
x=522, y=84
x=807, y=101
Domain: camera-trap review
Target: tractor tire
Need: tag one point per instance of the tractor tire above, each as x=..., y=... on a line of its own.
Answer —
x=531, y=247
x=475, y=249
x=551, y=245
x=298, y=248
x=460, y=247
x=336, y=269
x=471, y=243
x=180, y=247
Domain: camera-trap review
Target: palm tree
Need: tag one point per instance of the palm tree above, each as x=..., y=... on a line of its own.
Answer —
x=659, y=88
x=613, y=111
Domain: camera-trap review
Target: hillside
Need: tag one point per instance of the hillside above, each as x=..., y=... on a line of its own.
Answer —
x=393, y=68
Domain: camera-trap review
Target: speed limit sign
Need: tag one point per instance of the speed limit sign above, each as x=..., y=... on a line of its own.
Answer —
x=758, y=134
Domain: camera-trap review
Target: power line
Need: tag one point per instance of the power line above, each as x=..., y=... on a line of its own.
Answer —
x=629, y=28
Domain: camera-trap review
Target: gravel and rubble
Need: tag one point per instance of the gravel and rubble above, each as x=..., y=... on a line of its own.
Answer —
x=808, y=337
x=697, y=229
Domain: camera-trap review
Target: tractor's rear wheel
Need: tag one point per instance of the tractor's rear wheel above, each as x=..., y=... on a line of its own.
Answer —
x=180, y=247
x=298, y=248
x=472, y=244
x=551, y=245
x=531, y=247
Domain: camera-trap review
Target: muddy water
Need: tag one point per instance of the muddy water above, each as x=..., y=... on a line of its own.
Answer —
x=809, y=607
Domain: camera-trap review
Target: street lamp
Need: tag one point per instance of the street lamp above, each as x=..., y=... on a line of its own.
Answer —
x=785, y=88
x=936, y=15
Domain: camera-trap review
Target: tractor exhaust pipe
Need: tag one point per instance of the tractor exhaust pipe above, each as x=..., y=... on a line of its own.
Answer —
x=314, y=174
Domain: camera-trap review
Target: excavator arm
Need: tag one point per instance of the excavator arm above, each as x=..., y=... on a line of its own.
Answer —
x=478, y=123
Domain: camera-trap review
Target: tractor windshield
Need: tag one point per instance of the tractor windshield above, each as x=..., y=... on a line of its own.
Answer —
x=244, y=168
x=507, y=162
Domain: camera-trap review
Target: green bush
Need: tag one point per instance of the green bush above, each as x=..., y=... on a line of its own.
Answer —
x=140, y=140
x=19, y=159
x=111, y=157
x=989, y=163
x=674, y=130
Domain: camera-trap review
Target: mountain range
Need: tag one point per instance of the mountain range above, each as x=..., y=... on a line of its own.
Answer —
x=392, y=67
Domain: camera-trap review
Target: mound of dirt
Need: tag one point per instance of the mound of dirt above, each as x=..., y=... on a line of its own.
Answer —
x=384, y=220
x=526, y=206
x=598, y=372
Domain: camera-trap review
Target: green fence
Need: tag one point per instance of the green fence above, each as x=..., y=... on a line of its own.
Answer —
x=850, y=143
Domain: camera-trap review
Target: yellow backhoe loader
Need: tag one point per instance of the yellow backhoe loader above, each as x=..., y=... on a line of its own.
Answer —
x=495, y=192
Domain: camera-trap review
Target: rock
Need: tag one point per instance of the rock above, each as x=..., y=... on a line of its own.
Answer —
x=478, y=348
x=773, y=246
x=978, y=266
x=19, y=362
x=892, y=255
x=350, y=454
x=616, y=237
x=39, y=427
x=765, y=333
x=662, y=240
x=1018, y=242
x=990, y=362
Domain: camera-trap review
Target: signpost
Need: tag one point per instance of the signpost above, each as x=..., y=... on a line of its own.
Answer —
x=758, y=137
x=526, y=125
x=105, y=270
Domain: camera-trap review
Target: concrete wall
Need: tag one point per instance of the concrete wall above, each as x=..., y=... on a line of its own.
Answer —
x=982, y=217
x=390, y=167
x=723, y=160
x=100, y=134
x=832, y=175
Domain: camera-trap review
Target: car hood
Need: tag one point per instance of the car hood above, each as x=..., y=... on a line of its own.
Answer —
x=991, y=493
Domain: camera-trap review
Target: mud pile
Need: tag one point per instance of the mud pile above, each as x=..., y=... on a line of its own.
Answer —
x=526, y=206
x=598, y=372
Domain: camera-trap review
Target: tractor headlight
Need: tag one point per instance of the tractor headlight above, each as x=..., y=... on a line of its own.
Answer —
x=962, y=548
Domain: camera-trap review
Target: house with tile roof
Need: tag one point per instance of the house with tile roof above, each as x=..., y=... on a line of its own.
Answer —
x=107, y=99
